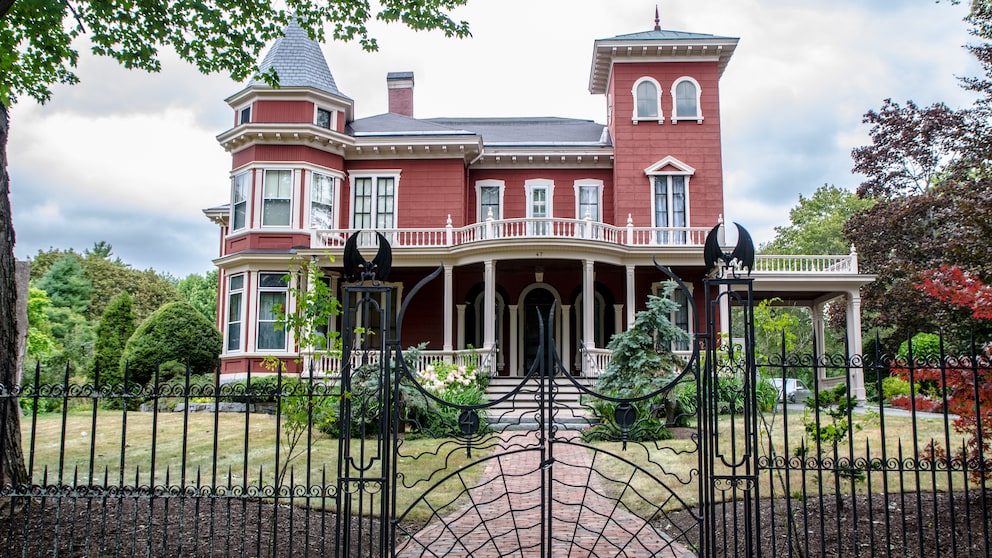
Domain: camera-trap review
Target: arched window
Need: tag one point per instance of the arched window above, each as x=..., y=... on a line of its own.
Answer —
x=647, y=100
x=685, y=91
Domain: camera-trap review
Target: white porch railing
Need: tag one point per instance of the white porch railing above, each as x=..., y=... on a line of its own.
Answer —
x=806, y=264
x=578, y=229
x=594, y=361
x=506, y=229
x=329, y=366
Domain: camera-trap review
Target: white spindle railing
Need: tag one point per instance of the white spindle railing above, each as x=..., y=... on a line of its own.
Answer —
x=578, y=229
x=330, y=365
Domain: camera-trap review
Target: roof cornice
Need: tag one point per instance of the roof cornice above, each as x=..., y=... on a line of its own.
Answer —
x=607, y=52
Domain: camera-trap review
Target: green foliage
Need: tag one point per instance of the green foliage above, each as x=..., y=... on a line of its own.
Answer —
x=40, y=341
x=200, y=291
x=826, y=436
x=115, y=328
x=314, y=308
x=894, y=386
x=67, y=285
x=149, y=291
x=177, y=331
x=643, y=362
x=926, y=346
x=817, y=223
x=458, y=385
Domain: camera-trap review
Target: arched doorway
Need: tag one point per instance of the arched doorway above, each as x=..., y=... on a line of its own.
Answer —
x=536, y=301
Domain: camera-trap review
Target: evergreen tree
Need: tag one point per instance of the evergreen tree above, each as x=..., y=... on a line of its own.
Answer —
x=643, y=360
x=67, y=285
x=115, y=328
x=174, y=332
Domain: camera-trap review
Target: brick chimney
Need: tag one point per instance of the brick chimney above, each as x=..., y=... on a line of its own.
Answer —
x=400, y=85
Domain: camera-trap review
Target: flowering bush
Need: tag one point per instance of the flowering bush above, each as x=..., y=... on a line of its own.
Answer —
x=441, y=378
x=459, y=386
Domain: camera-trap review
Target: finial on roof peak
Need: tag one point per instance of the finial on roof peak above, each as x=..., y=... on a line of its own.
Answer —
x=657, y=20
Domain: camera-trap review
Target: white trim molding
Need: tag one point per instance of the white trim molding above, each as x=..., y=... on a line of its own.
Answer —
x=698, y=117
x=659, y=116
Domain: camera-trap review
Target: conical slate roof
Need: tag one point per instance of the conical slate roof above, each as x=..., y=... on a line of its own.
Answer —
x=299, y=62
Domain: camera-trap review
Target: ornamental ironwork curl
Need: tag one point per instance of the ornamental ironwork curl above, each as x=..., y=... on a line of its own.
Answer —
x=725, y=484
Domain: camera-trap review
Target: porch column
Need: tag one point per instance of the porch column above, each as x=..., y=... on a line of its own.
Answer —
x=617, y=318
x=588, y=304
x=856, y=382
x=489, y=323
x=460, y=325
x=514, y=356
x=819, y=334
x=449, y=302
x=631, y=303
x=724, y=312
x=566, y=337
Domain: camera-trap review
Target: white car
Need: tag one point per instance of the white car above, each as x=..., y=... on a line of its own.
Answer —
x=795, y=390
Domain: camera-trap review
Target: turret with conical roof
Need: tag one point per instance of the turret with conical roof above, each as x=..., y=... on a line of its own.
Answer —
x=298, y=62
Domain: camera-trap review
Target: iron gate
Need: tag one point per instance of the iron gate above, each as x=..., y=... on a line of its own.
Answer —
x=515, y=476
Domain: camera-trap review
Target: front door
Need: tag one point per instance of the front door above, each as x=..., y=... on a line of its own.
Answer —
x=537, y=301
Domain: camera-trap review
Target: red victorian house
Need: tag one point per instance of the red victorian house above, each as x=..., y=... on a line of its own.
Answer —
x=522, y=212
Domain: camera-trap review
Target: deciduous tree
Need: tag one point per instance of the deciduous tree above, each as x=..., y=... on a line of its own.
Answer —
x=816, y=223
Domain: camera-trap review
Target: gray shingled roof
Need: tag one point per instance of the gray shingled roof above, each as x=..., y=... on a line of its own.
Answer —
x=299, y=62
x=494, y=131
x=665, y=35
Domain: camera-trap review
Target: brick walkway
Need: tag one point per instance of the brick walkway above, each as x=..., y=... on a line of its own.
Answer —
x=504, y=518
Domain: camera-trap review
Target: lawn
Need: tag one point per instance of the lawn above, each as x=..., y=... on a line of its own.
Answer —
x=229, y=451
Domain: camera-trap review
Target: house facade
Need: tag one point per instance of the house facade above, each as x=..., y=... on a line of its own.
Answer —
x=522, y=213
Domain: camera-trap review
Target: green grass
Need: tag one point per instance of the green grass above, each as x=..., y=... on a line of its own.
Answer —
x=665, y=466
x=215, y=451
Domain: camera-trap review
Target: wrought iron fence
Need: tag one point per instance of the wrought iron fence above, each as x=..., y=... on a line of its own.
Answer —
x=197, y=468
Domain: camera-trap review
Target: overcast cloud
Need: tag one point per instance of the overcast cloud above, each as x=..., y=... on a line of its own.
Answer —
x=130, y=158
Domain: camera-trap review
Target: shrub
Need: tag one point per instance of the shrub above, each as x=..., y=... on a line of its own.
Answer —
x=460, y=386
x=115, y=328
x=176, y=331
x=893, y=387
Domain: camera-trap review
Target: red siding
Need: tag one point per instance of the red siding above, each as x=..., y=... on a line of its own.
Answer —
x=638, y=146
x=267, y=241
x=429, y=190
x=286, y=153
x=515, y=196
x=283, y=112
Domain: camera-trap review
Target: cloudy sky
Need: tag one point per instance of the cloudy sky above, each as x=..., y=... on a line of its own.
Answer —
x=130, y=158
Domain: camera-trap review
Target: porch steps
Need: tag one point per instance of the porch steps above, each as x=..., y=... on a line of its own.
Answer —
x=518, y=406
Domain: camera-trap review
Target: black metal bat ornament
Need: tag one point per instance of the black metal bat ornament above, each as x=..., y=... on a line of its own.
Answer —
x=356, y=267
x=742, y=256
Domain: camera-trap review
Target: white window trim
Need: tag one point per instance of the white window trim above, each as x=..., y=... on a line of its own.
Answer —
x=336, y=198
x=675, y=102
x=660, y=119
x=248, y=199
x=227, y=312
x=259, y=289
x=334, y=117
x=374, y=175
x=586, y=182
x=489, y=183
x=537, y=183
x=293, y=197
x=663, y=168
x=239, y=110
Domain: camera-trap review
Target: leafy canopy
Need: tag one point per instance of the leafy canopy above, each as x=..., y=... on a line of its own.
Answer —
x=817, y=223
x=39, y=38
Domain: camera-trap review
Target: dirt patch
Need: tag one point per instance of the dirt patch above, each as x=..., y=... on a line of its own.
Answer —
x=176, y=526
x=913, y=525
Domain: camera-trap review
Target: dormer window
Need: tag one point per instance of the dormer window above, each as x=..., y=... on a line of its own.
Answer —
x=323, y=118
x=244, y=115
x=685, y=91
x=647, y=100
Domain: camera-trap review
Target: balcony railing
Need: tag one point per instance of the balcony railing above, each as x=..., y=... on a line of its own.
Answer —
x=578, y=229
x=524, y=229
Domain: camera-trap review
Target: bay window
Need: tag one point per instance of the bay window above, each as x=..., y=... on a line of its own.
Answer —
x=321, y=201
x=240, y=193
x=235, y=299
